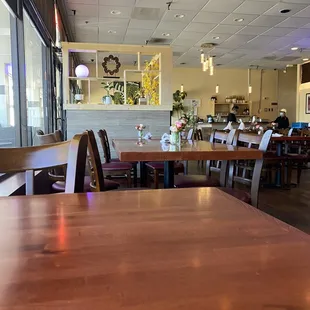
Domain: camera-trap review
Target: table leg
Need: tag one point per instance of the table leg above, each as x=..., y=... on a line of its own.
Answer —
x=143, y=174
x=278, y=175
x=169, y=174
x=224, y=173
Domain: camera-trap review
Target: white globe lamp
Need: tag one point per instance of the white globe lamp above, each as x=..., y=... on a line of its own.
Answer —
x=81, y=71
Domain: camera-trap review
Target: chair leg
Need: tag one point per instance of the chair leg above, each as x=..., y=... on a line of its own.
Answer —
x=128, y=173
x=135, y=176
x=299, y=170
x=156, y=179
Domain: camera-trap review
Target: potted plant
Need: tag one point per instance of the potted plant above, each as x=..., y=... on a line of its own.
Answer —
x=107, y=99
x=79, y=96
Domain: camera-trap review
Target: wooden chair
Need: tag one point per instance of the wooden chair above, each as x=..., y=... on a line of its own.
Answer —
x=29, y=159
x=248, y=172
x=113, y=168
x=223, y=137
x=98, y=182
x=56, y=174
x=186, y=181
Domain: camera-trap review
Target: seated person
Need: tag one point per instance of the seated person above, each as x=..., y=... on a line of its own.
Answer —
x=282, y=122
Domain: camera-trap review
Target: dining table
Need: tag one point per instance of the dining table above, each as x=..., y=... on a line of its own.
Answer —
x=129, y=150
x=170, y=249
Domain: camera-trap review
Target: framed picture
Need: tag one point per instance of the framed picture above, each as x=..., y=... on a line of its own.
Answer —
x=307, y=103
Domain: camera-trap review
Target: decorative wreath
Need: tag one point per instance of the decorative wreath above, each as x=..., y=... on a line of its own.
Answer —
x=111, y=58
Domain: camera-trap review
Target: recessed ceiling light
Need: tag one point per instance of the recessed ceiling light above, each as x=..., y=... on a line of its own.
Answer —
x=183, y=63
x=115, y=12
x=179, y=15
x=216, y=38
x=295, y=48
x=305, y=59
x=285, y=11
x=289, y=66
x=112, y=31
x=239, y=20
x=165, y=34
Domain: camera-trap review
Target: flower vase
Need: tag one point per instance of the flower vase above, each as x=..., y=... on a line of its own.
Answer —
x=140, y=135
x=175, y=138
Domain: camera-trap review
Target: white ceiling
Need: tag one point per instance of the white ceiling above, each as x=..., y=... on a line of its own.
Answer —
x=263, y=33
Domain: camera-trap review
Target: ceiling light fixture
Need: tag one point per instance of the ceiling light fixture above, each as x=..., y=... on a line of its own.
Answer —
x=179, y=16
x=112, y=31
x=285, y=11
x=115, y=12
x=305, y=59
x=249, y=82
x=289, y=66
x=295, y=48
x=216, y=38
x=165, y=34
x=182, y=88
x=207, y=62
x=239, y=20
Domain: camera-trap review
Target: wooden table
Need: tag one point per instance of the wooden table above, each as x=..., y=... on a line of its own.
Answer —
x=149, y=250
x=153, y=150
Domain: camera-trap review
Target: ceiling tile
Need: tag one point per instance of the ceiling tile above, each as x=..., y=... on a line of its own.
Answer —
x=143, y=24
x=267, y=21
x=129, y=3
x=188, y=35
x=113, y=22
x=303, y=33
x=94, y=2
x=222, y=6
x=105, y=11
x=278, y=32
x=116, y=31
x=84, y=9
x=253, y=30
x=231, y=19
x=210, y=18
x=304, y=13
x=237, y=40
x=259, y=41
x=196, y=5
x=188, y=15
x=210, y=38
x=200, y=27
x=181, y=42
x=254, y=7
x=294, y=22
x=159, y=34
x=143, y=33
x=165, y=26
x=295, y=8
x=227, y=29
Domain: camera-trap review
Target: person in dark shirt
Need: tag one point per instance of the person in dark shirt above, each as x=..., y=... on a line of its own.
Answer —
x=282, y=122
x=232, y=115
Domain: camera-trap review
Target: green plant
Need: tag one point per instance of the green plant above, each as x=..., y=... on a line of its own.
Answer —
x=178, y=98
x=118, y=97
x=108, y=87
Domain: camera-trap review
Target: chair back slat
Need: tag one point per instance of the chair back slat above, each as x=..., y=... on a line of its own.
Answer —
x=190, y=134
x=248, y=172
x=223, y=137
x=198, y=135
x=105, y=145
x=71, y=153
x=94, y=163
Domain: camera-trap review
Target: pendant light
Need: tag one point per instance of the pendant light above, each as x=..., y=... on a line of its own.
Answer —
x=202, y=57
x=249, y=81
x=212, y=71
x=217, y=89
x=182, y=88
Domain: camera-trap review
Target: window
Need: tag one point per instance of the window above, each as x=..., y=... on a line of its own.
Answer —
x=34, y=48
x=7, y=106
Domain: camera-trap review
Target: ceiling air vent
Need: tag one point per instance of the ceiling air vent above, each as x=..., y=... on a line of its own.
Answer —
x=146, y=13
x=159, y=41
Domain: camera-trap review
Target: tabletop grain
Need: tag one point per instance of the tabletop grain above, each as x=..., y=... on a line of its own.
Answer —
x=153, y=150
x=149, y=250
